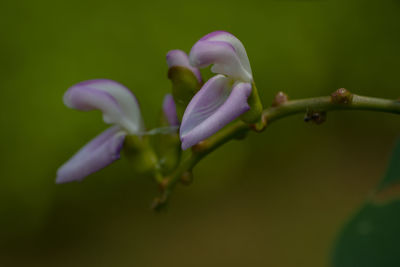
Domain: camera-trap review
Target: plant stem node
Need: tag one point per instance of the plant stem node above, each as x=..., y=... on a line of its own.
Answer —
x=341, y=96
x=279, y=99
x=187, y=178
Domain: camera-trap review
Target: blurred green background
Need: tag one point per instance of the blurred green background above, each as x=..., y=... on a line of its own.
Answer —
x=274, y=199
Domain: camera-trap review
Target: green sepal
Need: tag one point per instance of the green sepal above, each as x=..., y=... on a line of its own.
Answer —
x=184, y=86
x=140, y=154
x=168, y=149
x=254, y=115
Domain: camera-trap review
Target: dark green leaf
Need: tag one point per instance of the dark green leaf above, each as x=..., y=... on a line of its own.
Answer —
x=392, y=176
x=371, y=238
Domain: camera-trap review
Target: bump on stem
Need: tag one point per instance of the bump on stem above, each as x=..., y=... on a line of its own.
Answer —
x=342, y=96
x=187, y=177
x=279, y=99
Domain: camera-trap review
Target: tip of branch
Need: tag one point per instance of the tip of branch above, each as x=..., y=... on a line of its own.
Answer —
x=159, y=203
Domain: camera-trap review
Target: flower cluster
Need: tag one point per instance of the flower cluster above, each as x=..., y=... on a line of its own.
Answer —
x=198, y=109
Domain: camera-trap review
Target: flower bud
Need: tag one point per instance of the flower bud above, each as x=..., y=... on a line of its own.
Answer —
x=341, y=96
x=280, y=98
x=186, y=80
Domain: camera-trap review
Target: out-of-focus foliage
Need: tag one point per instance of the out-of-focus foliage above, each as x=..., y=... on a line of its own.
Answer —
x=273, y=199
x=371, y=237
x=392, y=177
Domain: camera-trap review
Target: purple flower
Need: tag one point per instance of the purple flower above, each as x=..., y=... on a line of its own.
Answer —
x=220, y=101
x=119, y=107
x=224, y=97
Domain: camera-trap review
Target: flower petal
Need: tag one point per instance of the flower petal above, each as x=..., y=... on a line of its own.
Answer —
x=227, y=54
x=118, y=104
x=169, y=110
x=180, y=58
x=214, y=106
x=97, y=154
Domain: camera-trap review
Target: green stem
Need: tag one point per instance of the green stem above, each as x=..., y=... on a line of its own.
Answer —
x=239, y=129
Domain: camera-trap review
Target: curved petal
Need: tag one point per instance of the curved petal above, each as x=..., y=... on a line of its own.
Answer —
x=227, y=54
x=213, y=107
x=169, y=110
x=227, y=37
x=118, y=104
x=179, y=58
x=97, y=154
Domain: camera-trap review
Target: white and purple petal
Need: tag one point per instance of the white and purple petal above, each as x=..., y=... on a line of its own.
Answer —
x=213, y=107
x=169, y=110
x=94, y=156
x=118, y=104
x=227, y=54
x=180, y=58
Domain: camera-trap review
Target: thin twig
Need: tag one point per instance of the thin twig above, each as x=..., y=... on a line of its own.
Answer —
x=340, y=100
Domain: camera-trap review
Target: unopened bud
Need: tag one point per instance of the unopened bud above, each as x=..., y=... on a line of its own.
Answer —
x=186, y=80
x=341, y=96
x=187, y=178
x=279, y=99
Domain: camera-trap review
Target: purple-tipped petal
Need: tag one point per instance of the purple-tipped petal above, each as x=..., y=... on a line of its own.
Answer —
x=97, y=154
x=213, y=107
x=180, y=58
x=169, y=110
x=118, y=104
x=224, y=36
x=227, y=54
